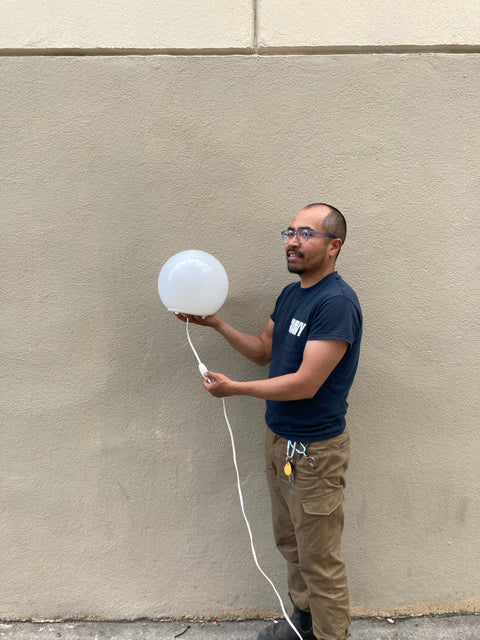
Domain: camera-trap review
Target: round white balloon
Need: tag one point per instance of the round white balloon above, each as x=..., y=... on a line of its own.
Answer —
x=193, y=282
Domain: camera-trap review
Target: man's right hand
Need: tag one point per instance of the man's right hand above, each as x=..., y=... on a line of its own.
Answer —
x=207, y=321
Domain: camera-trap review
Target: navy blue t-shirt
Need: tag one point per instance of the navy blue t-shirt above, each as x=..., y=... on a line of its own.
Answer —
x=329, y=310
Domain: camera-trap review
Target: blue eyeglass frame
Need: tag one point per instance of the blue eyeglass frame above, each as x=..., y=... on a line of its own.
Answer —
x=309, y=232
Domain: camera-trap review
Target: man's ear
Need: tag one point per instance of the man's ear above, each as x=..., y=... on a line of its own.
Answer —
x=335, y=246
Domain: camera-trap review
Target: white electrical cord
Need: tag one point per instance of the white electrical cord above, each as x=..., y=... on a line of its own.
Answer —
x=202, y=368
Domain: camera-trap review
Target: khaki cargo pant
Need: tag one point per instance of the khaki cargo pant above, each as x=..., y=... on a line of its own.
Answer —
x=307, y=516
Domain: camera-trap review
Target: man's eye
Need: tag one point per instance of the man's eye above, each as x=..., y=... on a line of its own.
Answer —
x=303, y=233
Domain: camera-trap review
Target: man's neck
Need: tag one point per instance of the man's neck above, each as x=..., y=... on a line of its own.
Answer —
x=310, y=279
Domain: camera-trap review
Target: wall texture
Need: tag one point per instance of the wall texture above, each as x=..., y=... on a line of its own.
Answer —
x=118, y=490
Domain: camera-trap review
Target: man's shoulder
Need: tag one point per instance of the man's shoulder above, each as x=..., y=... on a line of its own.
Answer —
x=336, y=300
x=339, y=288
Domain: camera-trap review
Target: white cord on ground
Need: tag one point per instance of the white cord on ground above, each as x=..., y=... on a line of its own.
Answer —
x=248, y=524
x=240, y=495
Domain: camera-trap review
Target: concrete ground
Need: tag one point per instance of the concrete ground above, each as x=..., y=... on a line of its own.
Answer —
x=462, y=627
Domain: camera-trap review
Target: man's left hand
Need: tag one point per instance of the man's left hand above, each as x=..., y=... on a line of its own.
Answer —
x=218, y=385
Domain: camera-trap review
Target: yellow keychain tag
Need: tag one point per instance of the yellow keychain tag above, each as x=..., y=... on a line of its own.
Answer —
x=287, y=469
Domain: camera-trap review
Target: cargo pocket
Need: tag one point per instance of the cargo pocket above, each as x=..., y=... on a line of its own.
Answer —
x=324, y=505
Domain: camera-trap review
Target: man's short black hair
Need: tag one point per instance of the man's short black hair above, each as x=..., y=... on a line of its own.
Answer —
x=334, y=222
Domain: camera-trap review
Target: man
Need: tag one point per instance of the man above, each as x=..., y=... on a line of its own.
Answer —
x=312, y=342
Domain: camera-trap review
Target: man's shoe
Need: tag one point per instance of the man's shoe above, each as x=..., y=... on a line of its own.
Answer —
x=281, y=630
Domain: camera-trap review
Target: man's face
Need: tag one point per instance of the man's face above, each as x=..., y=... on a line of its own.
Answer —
x=309, y=256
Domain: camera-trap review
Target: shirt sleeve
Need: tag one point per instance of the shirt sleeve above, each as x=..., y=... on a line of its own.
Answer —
x=335, y=319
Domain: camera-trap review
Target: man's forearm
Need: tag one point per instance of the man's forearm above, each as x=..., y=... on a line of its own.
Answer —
x=252, y=347
x=319, y=360
x=288, y=387
x=256, y=349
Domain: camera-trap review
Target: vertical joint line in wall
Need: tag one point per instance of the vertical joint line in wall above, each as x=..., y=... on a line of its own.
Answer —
x=255, y=25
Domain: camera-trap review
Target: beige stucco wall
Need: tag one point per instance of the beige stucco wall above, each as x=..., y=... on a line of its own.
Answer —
x=118, y=489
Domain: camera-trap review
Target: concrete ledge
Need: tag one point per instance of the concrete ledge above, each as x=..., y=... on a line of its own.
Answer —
x=149, y=24
x=434, y=628
x=367, y=22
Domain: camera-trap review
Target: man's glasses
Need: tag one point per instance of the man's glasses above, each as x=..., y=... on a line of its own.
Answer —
x=302, y=235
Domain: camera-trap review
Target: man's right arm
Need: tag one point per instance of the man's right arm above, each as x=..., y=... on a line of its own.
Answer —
x=258, y=349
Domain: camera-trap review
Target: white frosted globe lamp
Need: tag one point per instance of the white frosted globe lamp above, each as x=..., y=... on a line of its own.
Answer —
x=193, y=282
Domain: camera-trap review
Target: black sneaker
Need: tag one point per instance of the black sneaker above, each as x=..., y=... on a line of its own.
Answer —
x=281, y=630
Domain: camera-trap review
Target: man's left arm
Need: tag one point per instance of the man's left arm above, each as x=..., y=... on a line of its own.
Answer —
x=320, y=358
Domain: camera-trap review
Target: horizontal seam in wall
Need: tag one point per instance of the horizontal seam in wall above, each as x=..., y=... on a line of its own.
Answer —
x=261, y=51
